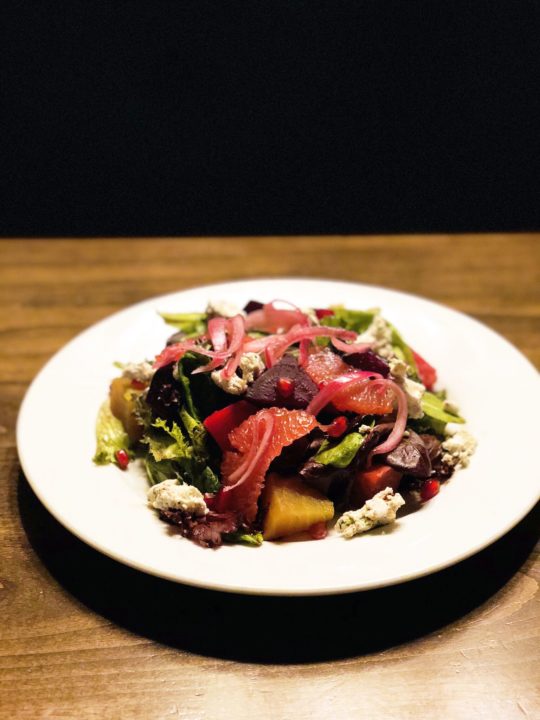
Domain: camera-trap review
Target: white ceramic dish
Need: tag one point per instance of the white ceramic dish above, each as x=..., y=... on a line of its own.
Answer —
x=496, y=387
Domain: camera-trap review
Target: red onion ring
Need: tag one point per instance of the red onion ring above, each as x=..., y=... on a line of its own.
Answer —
x=299, y=333
x=217, y=330
x=234, y=327
x=172, y=353
x=349, y=348
x=393, y=440
x=237, y=332
x=274, y=319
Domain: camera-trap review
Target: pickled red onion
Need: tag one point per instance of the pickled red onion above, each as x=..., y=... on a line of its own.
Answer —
x=273, y=319
x=237, y=331
x=393, y=440
x=234, y=328
x=349, y=348
x=298, y=334
x=217, y=330
x=172, y=353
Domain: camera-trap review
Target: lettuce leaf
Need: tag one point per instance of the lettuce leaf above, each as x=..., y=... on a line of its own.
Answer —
x=357, y=320
x=187, y=456
x=159, y=471
x=192, y=324
x=254, y=539
x=342, y=454
x=403, y=351
x=168, y=445
x=209, y=397
x=110, y=436
x=435, y=416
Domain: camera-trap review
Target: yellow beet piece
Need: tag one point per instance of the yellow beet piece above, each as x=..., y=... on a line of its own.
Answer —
x=292, y=507
x=122, y=399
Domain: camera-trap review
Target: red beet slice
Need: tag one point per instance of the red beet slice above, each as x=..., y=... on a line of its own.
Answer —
x=268, y=391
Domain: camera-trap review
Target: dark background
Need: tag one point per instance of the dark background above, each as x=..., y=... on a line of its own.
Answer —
x=179, y=117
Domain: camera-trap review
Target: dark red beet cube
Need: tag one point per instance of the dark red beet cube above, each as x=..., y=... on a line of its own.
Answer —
x=268, y=389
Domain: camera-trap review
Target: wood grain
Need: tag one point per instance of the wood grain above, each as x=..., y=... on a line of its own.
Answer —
x=84, y=637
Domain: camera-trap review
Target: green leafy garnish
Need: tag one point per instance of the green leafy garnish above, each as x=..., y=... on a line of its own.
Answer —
x=254, y=539
x=403, y=351
x=110, y=436
x=209, y=396
x=187, y=455
x=182, y=376
x=170, y=444
x=159, y=471
x=357, y=320
x=342, y=454
x=191, y=324
x=435, y=416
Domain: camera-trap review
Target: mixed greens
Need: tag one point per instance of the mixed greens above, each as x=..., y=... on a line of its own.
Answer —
x=262, y=423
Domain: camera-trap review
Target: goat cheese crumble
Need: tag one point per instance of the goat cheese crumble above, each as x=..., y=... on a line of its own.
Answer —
x=170, y=495
x=250, y=366
x=143, y=371
x=458, y=447
x=380, y=510
x=414, y=391
x=223, y=308
x=379, y=336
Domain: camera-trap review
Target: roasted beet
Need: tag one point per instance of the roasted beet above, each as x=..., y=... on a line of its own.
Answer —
x=433, y=445
x=165, y=394
x=411, y=457
x=267, y=390
x=369, y=361
x=253, y=305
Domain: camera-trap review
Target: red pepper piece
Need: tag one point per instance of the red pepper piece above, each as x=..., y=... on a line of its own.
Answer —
x=427, y=373
x=338, y=427
x=429, y=489
x=220, y=423
x=122, y=459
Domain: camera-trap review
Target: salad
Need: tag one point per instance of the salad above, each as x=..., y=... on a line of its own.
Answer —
x=267, y=422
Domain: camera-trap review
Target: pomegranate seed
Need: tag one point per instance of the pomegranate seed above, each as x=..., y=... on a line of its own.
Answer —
x=122, y=458
x=323, y=312
x=338, y=427
x=138, y=384
x=318, y=531
x=429, y=489
x=285, y=387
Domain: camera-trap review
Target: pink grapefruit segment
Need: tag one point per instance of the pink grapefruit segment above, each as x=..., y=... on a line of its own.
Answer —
x=288, y=426
x=323, y=366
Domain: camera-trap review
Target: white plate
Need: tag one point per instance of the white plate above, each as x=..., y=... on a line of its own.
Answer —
x=495, y=386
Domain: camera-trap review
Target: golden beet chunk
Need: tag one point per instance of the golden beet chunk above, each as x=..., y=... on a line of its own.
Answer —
x=292, y=507
x=122, y=399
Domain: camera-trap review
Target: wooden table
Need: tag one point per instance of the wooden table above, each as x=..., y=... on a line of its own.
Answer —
x=84, y=637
